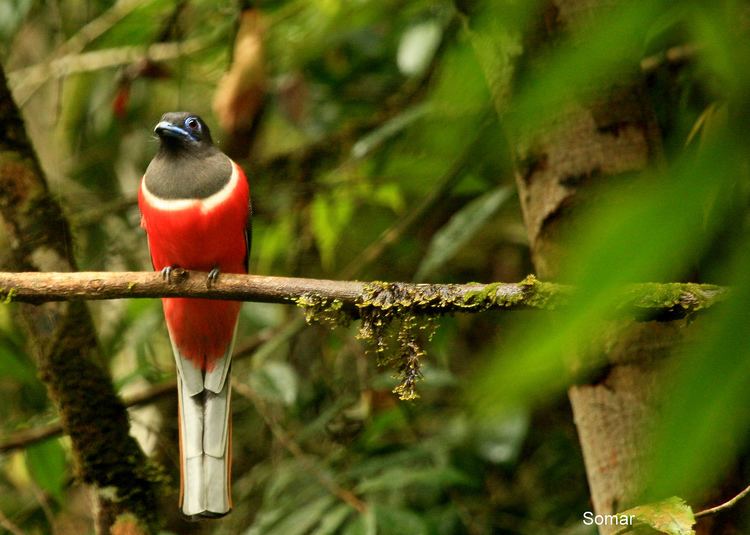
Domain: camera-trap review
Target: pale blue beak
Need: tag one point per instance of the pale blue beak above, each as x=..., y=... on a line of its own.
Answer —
x=164, y=128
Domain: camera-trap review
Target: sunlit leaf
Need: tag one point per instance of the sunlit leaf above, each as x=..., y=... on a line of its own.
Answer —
x=389, y=195
x=418, y=46
x=671, y=516
x=330, y=215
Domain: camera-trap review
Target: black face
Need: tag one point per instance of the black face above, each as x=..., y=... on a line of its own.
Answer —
x=183, y=129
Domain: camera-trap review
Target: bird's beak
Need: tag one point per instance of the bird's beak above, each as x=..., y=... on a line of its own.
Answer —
x=166, y=129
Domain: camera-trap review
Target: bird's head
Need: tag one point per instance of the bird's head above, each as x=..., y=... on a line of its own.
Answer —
x=183, y=130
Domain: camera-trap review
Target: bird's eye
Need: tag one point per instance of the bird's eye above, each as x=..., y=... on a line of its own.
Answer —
x=192, y=123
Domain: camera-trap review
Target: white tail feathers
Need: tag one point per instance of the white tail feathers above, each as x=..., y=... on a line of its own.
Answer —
x=205, y=437
x=205, y=456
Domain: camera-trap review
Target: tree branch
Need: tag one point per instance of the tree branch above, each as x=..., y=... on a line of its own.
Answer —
x=670, y=299
x=724, y=506
x=24, y=82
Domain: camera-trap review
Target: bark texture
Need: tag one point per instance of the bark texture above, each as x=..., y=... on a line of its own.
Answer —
x=599, y=141
x=614, y=413
x=62, y=338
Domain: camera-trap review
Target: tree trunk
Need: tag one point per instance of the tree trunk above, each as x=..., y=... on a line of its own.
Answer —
x=601, y=140
x=63, y=342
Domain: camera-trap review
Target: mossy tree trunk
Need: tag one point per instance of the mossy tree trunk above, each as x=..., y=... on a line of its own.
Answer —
x=63, y=342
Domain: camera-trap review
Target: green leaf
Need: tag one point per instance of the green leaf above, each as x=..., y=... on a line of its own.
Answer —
x=390, y=196
x=276, y=382
x=710, y=387
x=368, y=143
x=460, y=229
x=671, y=516
x=398, y=521
x=330, y=215
x=333, y=519
x=12, y=13
x=399, y=477
x=14, y=363
x=366, y=524
x=301, y=520
x=47, y=465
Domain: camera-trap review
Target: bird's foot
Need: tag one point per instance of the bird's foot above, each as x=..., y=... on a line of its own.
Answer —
x=166, y=273
x=213, y=276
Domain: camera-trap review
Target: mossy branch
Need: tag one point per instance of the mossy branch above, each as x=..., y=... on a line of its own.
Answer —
x=320, y=296
x=396, y=317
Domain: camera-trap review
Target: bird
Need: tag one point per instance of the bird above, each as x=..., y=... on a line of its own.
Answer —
x=196, y=211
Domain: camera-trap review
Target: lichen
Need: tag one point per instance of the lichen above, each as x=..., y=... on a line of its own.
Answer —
x=398, y=318
x=322, y=310
x=131, y=285
x=542, y=295
x=679, y=298
x=394, y=333
x=482, y=298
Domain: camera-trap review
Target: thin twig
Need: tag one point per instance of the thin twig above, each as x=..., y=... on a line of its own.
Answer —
x=95, y=215
x=724, y=506
x=700, y=514
x=290, y=445
x=24, y=82
x=83, y=37
x=97, y=27
x=43, y=501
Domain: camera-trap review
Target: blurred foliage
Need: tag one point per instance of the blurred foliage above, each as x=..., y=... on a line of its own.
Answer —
x=371, y=107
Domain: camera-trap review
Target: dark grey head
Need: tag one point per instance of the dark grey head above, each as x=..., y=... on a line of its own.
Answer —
x=182, y=130
x=188, y=165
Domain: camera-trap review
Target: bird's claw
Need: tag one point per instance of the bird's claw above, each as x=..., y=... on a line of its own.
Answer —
x=166, y=273
x=213, y=276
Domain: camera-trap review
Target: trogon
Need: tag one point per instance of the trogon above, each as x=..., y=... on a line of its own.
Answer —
x=196, y=211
